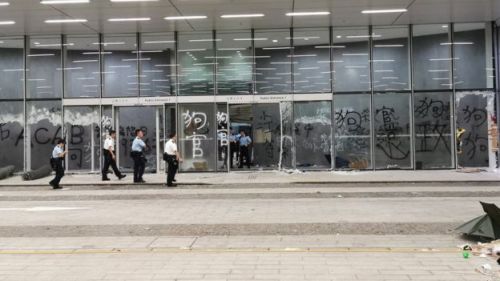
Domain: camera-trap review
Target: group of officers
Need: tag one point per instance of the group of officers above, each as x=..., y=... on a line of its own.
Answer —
x=238, y=143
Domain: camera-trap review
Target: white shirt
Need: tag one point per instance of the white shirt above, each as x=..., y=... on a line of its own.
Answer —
x=109, y=144
x=170, y=147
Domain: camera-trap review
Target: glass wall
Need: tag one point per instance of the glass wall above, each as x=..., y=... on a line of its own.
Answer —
x=235, y=63
x=196, y=63
x=197, y=137
x=82, y=67
x=266, y=135
x=352, y=127
x=157, y=64
x=44, y=67
x=120, y=64
x=12, y=134
x=273, y=59
x=12, y=68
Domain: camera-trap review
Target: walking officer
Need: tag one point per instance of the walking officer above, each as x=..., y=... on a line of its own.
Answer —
x=245, y=142
x=108, y=152
x=172, y=157
x=138, y=147
x=56, y=162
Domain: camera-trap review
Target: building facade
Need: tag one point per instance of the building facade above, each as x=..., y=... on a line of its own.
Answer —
x=370, y=97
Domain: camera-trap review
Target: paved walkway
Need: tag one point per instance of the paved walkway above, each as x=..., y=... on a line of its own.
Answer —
x=280, y=177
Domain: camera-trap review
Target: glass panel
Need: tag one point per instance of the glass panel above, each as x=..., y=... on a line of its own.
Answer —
x=222, y=137
x=352, y=131
x=44, y=67
x=273, y=60
x=287, y=148
x=313, y=134
x=391, y=65
x=120, y=61
x=157, y=64
x=82, y=142
x=197, y=140
x=431, y=57
x=12, y=134
x=82, y=66
x=196, y=63
x=474, y=57
x=241, y=119
x=44, y=129
x=235, y=62
x=130, y=119
x=12, y=68
x=311, y=68
x=474, y=115
x=433, y=132
x=351, y=57
x=393, y=133
x=266, y=138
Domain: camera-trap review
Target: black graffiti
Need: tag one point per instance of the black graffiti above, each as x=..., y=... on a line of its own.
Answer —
x=43, y=135
x=4, y=133
x=431, y=135
x=391, y=145
x=474, y=143
x=430, y=107
x=352, y=121
x=475, y=116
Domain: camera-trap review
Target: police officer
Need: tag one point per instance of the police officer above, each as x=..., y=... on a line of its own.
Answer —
x=233, y=147
x=56, y=160
x=138, y=147
x=108, y=152
x=245, y=142
x=172, y=157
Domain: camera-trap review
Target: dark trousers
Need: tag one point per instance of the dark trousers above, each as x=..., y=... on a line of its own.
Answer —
x=244, y=155
x=59, y=169
x=173, y=165
x=139, y=165
x=233, y=153
x=109, y=161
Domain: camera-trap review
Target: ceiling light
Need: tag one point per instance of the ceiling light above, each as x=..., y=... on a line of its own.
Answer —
x=52, y=2
x=363, y=36
x=134, y=0
x=186, y=18
x=205, y=40
x=128, y=19
x=7, y=22
x=250, y=39
x=389, y=46
x=66, y=21
x=4, y=3
x=242, y=16
x=298, y=14
x=159, y=42
x=384, y=11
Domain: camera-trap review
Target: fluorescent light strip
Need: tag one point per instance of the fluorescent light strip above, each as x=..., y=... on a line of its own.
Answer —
x=250, y=39
x=133, y=1
x=128, y=19
x=185, y=18
x=53, y=2
x=205, y=40
x=159, y=42
x=456, y=43
x=66, y=21
x=384, y=11
x=7, y=22
x=41, y=55
x=299, y=14
x=4, y=4
x=242, y=16
x=277, y=48
x=389, y=46
x=331, y=47
x=363, y=36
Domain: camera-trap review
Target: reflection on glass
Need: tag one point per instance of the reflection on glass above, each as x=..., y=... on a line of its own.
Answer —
x=392, y=129
x=12, y=134
x=82, y=66
x=313, y=134
x=311, y=57
x=431, y=57
x=473, y=50
x=391, y=67
x=474, y=115
x=433, y=132
x=352, y=131
x=241, y=120
x=120, y=59
x=80, y=124
x=222, y=137
x=157, y=63
x=44, y=129
x=130, y=119
x=11, y=68
x=351, y=56
x=235, y=63
x=197, y=140
x=196, y=63
x=273, y=61
x=287, y=126
x=266, y=126
x=44, y=71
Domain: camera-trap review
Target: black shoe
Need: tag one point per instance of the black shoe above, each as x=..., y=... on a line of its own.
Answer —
x=106, y=179
x=171, y=185
x=121, y=177
x=174, y=180
x=142, y=181
x=57, y=187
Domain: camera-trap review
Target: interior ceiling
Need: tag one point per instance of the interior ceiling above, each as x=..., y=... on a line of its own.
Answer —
x=30, y=14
